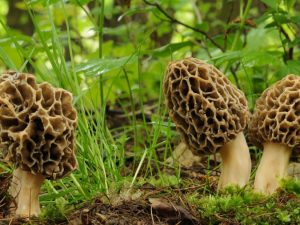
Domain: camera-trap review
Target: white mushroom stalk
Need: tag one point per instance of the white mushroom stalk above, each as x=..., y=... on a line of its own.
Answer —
x=25, y=189
x=275, y=128
x=236, y=163
x=272, y=167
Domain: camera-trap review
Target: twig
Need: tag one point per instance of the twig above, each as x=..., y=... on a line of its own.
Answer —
x=289, y=54
x=174, y=20
x=233, y=71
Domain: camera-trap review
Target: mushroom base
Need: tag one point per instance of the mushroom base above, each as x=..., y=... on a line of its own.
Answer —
x=183, y=156
x=236, y=163
x=25, y=189
x=272, y=167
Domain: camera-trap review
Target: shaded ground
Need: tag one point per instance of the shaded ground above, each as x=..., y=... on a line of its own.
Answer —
x=145, y=204
x=193, y=201
x=156, y=211
x=4, y=197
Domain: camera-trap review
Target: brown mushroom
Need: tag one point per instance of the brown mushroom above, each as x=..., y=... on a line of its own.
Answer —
x=275, y=127
x=210, y=114
x=37, y=124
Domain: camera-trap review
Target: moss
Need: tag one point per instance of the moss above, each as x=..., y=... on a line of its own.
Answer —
x=242, y=206
x=291, y=186
x=55, y=212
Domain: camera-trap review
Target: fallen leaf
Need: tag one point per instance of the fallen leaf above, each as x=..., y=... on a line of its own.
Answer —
x=171, y=210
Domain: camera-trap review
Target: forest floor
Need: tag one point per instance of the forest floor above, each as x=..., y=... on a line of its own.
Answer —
x=146, y=204
x=192, y=200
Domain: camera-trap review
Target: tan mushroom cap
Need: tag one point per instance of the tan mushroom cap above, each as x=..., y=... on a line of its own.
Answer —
x=37, y=125
x=206, y=108
x=277, y=114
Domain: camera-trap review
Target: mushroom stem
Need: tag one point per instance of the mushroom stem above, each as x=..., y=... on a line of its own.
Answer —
x=272, y=167
x=236, y=163
x=25, y=189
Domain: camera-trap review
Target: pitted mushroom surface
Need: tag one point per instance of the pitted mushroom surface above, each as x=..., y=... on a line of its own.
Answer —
x=206, y=108
x=37, y=132
x=210, y=114
x=275, y=127
x=277, y=115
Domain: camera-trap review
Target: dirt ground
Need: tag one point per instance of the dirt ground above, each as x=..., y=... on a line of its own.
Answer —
x=145, y=205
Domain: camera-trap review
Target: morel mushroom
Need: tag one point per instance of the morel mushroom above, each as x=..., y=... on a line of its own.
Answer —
x=275, y=127
x=37, y=124
x=210, y=114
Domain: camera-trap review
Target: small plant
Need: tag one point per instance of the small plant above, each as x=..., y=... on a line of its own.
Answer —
x=291, y=186
x=55, y=211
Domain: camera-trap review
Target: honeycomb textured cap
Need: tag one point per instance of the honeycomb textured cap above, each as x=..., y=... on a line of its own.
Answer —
x=37, y=125
x=207, y=109
x=276, y=117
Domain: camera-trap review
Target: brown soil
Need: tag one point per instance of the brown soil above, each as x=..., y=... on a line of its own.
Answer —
x=145, y=205
x=4, y=197
x=153, y=206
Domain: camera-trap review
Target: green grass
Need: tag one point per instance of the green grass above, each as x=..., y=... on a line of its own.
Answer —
x=100, y=154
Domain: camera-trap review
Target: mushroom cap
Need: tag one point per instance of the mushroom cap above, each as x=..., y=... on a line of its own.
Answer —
x=207, y=109
x=37, y=125
x=276, y=117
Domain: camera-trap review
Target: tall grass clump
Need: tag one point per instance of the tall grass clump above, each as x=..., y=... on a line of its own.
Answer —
x=49, y=53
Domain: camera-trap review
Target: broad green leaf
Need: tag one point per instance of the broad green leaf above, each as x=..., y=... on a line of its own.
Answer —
x=41, y=2
x=6, y=59
x=295, y=42
x=228, y=56
x=80, y=2
x=281, y=18
x=117, y=31
x=270, y=3
x=168, y=49
x=96, y=67
x=292, y=67
x=135, y=10
x=203, y=26
x=296, y=20
x=290, y=4
x=259, y=58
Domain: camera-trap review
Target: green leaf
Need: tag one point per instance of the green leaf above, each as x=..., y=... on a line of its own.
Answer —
x=292, y=67
x=232, y=56
x=281, y=18
x=270, y=3
x=258, y=58
x=295, y=42
x=136, y=10
x=96, y=67
x=203, y=26
x=6, y=59
x=296, y=20
x=290, y=4
x=270, y=25
x=80, y=2
x=168, y=49
x=42, y=2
